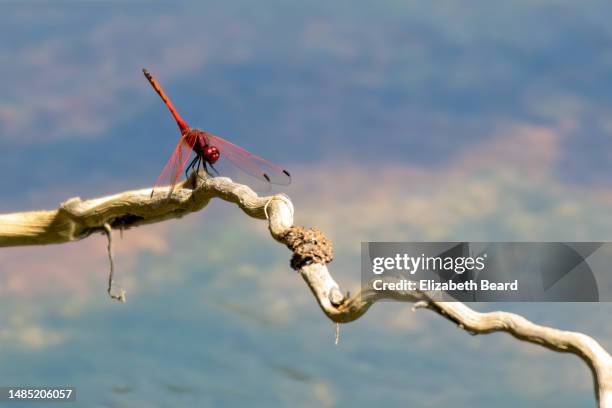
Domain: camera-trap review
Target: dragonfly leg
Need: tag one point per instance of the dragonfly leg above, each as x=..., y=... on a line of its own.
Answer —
x=203, y=163
x=203, y=167
x=190, y=166
x=215, y=170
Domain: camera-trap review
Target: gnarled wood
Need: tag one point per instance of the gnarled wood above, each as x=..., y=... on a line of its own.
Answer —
x=76, y=219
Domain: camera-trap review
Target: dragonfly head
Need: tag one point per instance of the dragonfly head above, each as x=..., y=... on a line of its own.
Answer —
x=211, y=154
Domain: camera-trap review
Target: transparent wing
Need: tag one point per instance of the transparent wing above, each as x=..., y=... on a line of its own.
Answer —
x=171, y=172
x=249, y=163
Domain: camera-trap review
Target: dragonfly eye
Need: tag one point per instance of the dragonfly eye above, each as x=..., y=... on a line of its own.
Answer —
x=211, y=154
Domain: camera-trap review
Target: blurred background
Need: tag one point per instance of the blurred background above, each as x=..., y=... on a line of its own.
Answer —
x=405, y=121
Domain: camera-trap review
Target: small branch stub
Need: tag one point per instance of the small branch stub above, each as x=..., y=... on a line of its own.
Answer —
x=109, y=248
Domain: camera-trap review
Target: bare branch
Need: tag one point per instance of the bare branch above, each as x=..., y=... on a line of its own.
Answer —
x=76, y=219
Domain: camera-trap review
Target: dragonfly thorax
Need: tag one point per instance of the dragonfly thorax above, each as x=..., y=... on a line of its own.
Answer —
x=209, y=154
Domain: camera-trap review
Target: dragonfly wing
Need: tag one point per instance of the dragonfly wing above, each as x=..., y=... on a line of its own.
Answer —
x=173, y=169
x=249, y=163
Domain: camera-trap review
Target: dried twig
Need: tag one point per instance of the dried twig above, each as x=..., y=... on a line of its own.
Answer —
x=76, y=219
x=109, y=249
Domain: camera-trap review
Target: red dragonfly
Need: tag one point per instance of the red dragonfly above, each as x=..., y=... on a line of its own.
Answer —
x=208, y=149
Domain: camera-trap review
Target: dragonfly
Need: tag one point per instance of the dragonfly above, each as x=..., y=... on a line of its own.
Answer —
x=208, y=149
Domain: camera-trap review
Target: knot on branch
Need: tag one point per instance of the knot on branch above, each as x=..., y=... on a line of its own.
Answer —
x=308, y=246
